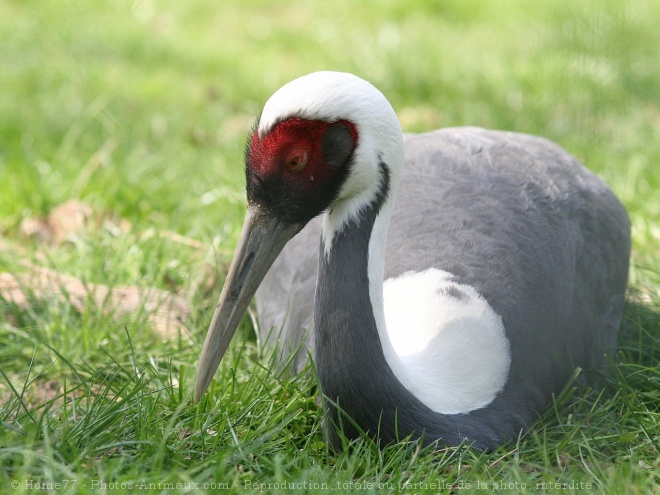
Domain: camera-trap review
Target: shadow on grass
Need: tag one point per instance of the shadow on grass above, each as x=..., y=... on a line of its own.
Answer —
x=639, y=339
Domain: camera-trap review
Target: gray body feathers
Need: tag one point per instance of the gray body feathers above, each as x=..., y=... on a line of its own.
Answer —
x=541, y=238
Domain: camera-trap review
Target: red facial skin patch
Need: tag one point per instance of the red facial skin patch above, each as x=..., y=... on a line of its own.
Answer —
x=293, y=148
x=297, y=169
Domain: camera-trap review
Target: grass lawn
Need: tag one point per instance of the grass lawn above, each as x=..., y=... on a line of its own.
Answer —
x=134, y=115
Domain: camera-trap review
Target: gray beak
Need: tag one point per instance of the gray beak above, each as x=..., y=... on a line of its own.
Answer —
x=262, y=238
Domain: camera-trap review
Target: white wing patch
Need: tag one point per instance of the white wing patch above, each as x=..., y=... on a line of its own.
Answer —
x=450, y=348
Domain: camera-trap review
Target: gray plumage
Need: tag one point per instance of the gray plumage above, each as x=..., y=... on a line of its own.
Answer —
x=541, y=238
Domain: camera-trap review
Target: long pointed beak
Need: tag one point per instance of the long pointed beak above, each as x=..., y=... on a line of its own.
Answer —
x=262, y=238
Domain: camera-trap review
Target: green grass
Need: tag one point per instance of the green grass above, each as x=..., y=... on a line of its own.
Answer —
x=141, y=110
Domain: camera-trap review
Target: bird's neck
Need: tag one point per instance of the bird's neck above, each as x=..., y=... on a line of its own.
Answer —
x=351, y=266
x=350, y=337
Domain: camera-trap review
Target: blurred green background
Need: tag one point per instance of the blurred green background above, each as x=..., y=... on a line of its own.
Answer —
x=143, y=106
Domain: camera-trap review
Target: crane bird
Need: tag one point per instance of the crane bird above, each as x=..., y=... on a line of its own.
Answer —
x=454, y=283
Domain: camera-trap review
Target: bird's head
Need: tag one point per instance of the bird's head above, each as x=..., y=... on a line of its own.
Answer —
x=319, y=144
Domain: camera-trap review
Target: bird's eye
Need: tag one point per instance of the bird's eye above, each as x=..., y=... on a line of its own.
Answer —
x=296, y=160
